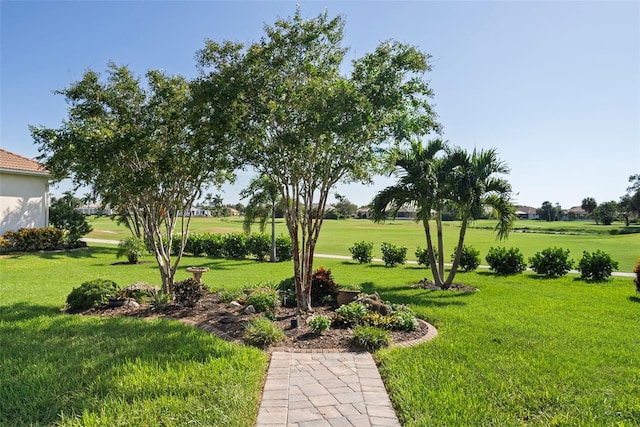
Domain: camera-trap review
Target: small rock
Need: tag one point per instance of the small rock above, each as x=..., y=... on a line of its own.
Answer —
x=249, y=310
x=131, y=303
x=235, y=304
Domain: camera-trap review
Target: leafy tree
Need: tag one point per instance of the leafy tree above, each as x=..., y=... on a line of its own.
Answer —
x=629, y=204
x=307, y=126
x=344, y=208
x=606, y=212
x=216, y=206
x=63, y=214
x=265, y=196
x=589, y=205
x=549, y=212
x=144, y=150
x=431, y=177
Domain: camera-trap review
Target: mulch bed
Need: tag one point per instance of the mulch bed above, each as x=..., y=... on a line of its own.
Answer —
x=229, y=323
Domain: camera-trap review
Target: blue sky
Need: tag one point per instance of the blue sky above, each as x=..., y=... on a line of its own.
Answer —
x=553, y=86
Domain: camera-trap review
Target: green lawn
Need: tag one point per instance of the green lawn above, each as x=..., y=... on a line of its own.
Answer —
x=337, y=236
x=521, y=351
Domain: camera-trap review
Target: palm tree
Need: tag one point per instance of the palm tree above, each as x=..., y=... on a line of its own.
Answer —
x=473, y=187
x=430, y=182
x=265, y=196
x=420, y=185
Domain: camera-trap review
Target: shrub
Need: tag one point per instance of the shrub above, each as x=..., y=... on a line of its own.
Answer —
x=319, y=324
x=227, y=296
x=235, y=245
x=262, y=332
x=422, y=255
x=188, y=292
x=551, y=262
x=194, y=244
x=213, y=245
x=263, y=299
x=140, y=292
x=133, y=248
x=259, y=244
x=322, y=284
x=287, y=289
x=35, y=239
x=393, y=255
x=64, y=216
x=350, y=315
x=159, y=300
x=596, y=266
x=377, y=320
x=404, y=319
x=506, y=261
x=284, y=248
x=362, y=252
x=469, y=259
x=91, y=293
x=371, y=338
x=637, y=279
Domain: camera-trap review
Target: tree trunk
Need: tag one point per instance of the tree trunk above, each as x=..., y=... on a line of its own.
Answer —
x=273, y=255
x=456, y=260
x=433, y=262
x=440, y=246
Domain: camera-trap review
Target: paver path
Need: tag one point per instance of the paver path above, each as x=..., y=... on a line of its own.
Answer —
x=324, y=389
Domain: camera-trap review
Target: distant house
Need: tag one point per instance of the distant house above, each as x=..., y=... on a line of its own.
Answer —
x=24, y=193
x=95, y=208
x=526, y=212
x=576, y=212
x=405, y=212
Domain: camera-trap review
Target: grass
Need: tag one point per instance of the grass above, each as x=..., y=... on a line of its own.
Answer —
x=521, y=351
x=337, y=236
x=90, y=371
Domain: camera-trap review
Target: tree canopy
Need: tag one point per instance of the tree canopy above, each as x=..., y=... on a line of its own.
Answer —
x=141, y=148
x=306, y=126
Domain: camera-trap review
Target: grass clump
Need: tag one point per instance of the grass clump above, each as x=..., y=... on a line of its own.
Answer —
x=262, y=332
x=91, y=294
x=263, y=299
x=371, y=338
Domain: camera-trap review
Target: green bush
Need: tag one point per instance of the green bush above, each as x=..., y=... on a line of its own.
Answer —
x=91, y=294
x=133, y=248
x=506, y=261
x=319, y=324
x=284, y=248
x=159, y=300
x=551, y=262
x=188, y=292
x=262, y=332
x=259, y=244
x=404, y=319
x=393, y=255
x=263, y=299
x=322, y=285
x=377, y=320
x=287, y=290
x=235, y=245
x=469, y=259
x=362, y=252
x=213, y=245
x=227, y=296
x=35, y=239
x=422, y=255
x=371, y=338
x=596, y=266
x=350, y=315
x=64, y=216
x=195, y=244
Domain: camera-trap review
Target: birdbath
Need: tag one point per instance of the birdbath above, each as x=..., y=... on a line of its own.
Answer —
x=197, y=272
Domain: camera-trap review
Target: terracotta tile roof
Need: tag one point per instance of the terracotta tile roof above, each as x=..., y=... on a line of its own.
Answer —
x=11, y=161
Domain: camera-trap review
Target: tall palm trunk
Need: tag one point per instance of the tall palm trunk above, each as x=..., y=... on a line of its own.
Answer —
x=456, y=260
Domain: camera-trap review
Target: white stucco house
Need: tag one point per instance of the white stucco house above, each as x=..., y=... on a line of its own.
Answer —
x=24, y=193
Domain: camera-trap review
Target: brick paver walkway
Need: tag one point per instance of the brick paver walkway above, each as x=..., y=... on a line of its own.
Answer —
x=324, y=389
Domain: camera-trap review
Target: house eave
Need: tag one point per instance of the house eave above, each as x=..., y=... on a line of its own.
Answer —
x=23, y=172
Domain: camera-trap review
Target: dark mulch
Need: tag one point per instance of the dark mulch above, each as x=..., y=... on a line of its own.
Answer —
x=214, y=316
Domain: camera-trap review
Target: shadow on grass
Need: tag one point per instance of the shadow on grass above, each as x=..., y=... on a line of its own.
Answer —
x=634, y=298
x=421, y=297
x=59, y=363
x=89, y=252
